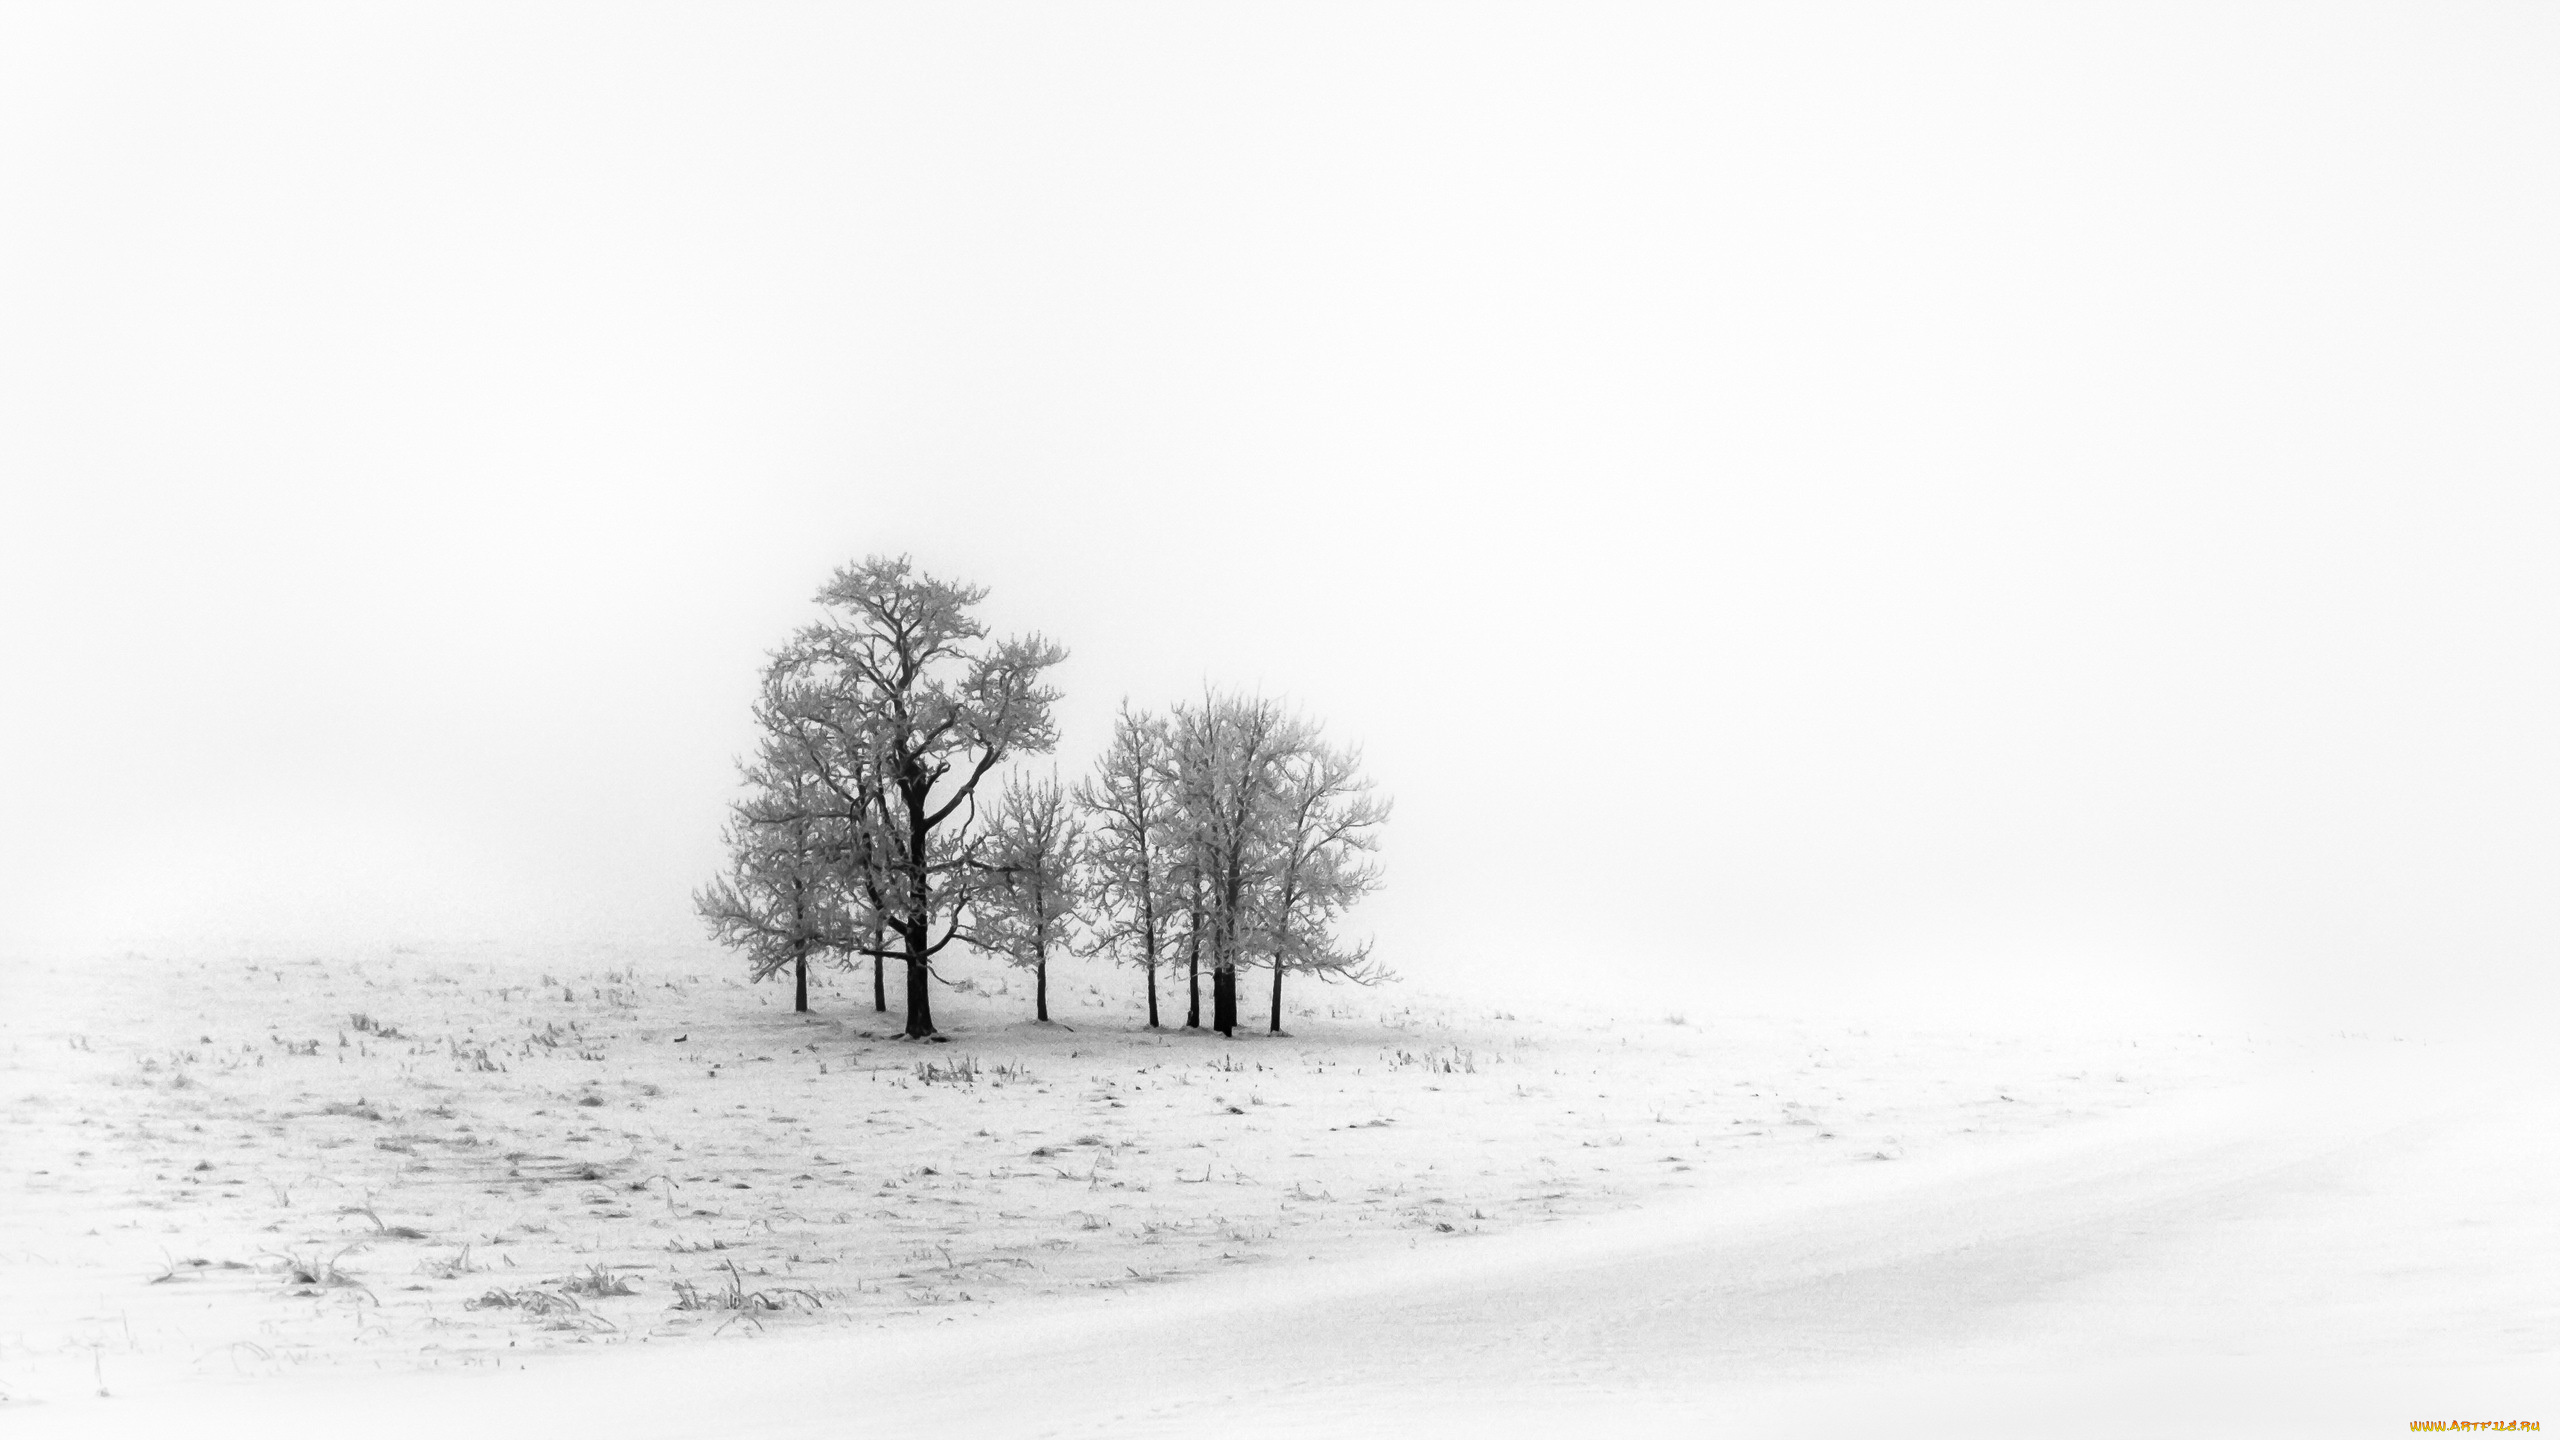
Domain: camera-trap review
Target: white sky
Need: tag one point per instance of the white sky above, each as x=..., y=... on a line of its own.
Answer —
x=2041, y=504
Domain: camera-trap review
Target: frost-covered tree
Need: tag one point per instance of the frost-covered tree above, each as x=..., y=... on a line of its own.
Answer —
x=1229, y=757
x=824, y=735
x=1330, y=815
x=1032, y=895
x=781, y=902
x=1136, y=890
x=911, y=699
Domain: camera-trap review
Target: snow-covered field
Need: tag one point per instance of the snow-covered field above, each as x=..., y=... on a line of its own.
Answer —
x=627, y=1193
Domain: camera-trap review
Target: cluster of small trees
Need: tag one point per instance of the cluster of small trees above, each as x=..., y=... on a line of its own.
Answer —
x=1224, y=835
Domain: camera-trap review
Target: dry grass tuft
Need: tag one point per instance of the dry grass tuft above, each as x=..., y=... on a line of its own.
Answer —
x=961, y=1071
x=310, y=1274
x=555, y=1312
x=736, y=1296
x=449, y=1267
x=389, y=1232
x=598, y=1281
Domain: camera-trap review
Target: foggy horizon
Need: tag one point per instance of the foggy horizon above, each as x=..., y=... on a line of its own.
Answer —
x=2007, y=513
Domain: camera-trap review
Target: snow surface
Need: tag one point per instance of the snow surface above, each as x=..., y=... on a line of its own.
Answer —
x=1411, y=1216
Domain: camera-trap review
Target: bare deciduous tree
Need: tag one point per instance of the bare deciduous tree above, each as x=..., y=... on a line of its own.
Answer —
x=1136, y=890
x=1033, y=892
x=1228, y=755
x=826, y=736
x=1330, y=815
x=781, y=902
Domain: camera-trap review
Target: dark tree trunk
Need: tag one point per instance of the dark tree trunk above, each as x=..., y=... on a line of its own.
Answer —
x=879, y=982
x=1194, y=947
x=1230, y=907
x=1040, y=987
x=799, y=948
x=1288, y=897
x=918, y=929
x=1152, y=1023
x=1223, y=999
x=919, y=999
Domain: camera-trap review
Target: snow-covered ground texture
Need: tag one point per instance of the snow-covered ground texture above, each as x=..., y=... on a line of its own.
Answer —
x=627, y=1193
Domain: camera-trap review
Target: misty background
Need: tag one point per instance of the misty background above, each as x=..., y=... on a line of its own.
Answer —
x=2041, y=511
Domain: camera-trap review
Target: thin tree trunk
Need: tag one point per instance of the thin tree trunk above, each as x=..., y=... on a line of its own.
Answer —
x=1194, y=1022
x=1288, y=896
x=879, y=967
x=1040, y=987
x=800, y=983
x=1148, y=937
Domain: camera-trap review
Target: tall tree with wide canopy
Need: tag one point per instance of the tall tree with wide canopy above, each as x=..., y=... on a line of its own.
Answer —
x=1137, y=887
x=905, y=687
